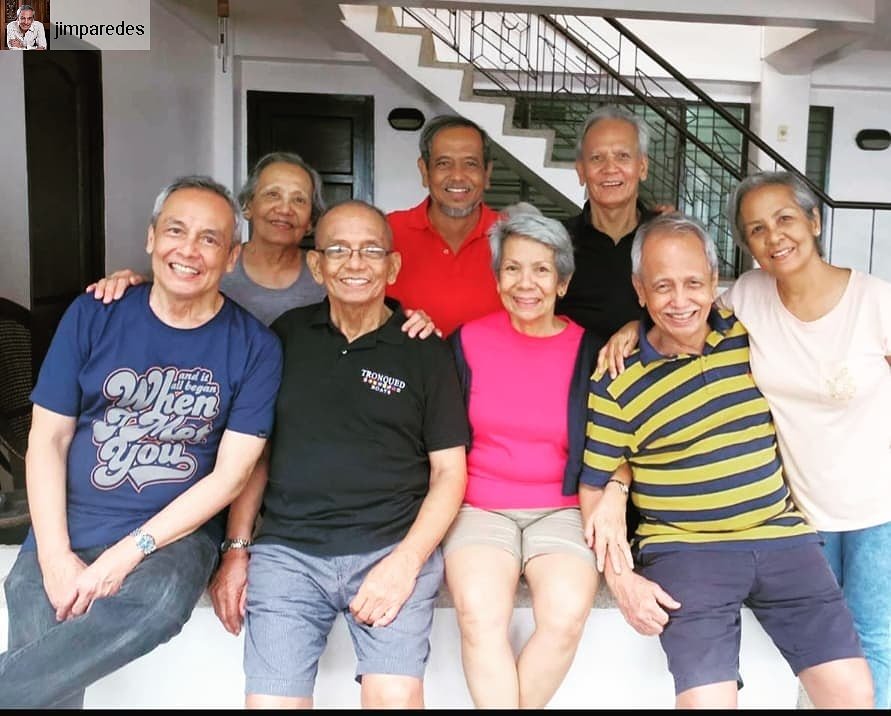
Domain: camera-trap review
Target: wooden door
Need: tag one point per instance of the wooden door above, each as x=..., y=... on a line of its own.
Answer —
x=63, y=117
x=333, y=133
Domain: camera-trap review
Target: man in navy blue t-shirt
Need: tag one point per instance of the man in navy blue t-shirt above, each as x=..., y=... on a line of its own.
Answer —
x=149, y=414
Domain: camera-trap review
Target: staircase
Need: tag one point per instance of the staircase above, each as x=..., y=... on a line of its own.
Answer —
x=530, y=80
x=411, y=50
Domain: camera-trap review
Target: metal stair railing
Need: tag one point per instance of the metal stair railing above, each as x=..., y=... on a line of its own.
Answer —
x=571, y=64
x=861, y=214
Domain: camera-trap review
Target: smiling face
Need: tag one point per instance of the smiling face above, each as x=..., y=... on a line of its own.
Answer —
x=611, y=166
x=677, y=287
x=191, y=244
x=26, y=19
x=528, y=283
x=280, y=210
x=456, y=174
x=356, y=280
x=780, y=235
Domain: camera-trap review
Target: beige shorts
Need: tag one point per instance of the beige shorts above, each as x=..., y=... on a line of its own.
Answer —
x=523, y=533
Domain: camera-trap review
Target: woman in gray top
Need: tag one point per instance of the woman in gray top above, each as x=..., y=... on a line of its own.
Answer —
x=282, y=199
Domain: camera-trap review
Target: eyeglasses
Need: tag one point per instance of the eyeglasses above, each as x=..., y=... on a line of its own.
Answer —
x=338, y=253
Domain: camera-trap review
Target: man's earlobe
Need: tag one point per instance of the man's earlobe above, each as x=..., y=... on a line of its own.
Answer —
x=312, y=261
x=395, y=266
x=233, y=257
x=638, y=289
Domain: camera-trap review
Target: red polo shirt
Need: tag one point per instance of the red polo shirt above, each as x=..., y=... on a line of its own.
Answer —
x=452, y=288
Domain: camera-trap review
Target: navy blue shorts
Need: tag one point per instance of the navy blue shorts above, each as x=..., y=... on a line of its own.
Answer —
x=791, y=591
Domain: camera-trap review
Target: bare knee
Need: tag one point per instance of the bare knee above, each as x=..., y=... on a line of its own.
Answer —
x=264, y=701
x=388, y=691
x=842, y=683
x=563, y=625
x=720, y=695
x=480, y=614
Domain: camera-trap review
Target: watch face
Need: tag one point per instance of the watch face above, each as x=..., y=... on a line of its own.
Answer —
x=146, y=543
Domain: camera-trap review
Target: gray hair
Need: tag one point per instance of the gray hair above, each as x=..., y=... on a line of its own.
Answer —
x=246, y=195
x=199, y=181
x=523, y=219
x=806, y=200
x=614, y=111
x=22, y=9
x=388, y=232
x=675, y=223
x=447, y=121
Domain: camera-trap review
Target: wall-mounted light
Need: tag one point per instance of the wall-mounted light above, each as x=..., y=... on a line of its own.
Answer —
x=406, y=119
x=873, y=139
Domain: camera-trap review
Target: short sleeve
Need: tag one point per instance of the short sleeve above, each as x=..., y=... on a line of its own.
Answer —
x=58, y=383
x=253, y=407
x=445, y=418
x=725, y=299
x=608, y=435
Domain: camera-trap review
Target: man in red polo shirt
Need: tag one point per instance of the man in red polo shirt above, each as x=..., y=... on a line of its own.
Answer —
x=446, y=261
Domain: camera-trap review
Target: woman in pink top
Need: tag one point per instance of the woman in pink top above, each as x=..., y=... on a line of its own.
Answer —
x=525, y=373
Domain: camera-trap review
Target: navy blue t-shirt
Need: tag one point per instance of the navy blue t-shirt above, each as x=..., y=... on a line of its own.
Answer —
x=152, y=403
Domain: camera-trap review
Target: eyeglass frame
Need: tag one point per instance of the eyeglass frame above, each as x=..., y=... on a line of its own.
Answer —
x=346, y=257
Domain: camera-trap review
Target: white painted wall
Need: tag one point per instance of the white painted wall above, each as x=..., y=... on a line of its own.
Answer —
x=15, y=264
x=704, y=51
x=159, y=121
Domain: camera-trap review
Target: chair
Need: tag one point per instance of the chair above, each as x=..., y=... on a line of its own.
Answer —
x=16, y=382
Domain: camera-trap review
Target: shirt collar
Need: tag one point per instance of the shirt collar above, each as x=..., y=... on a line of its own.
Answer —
x=720, y=326
x=420, y=220
x=645, y=214
x=390, y=332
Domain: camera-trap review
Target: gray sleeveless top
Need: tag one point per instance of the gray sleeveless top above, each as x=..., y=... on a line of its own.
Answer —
x=267, y=304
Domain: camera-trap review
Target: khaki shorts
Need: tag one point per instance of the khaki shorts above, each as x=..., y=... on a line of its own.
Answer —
x=523, y=533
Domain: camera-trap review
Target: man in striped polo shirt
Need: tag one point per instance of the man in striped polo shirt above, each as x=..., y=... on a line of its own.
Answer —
x=718, y=527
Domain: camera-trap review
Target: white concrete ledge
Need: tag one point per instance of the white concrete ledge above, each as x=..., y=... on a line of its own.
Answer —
x=614, y=667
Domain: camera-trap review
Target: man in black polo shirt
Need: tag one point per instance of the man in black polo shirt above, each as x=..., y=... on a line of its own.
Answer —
x=366, y=472
x=611, y=161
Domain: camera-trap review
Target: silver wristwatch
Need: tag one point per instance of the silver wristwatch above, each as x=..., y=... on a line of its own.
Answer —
x=144, y=541
x=234, y=543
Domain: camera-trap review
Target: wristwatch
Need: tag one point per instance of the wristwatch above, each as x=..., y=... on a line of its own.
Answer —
x=234, y=543
x=144, y=541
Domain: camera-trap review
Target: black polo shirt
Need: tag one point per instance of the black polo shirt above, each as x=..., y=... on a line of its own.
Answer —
x=354, y=423
x=600, y=295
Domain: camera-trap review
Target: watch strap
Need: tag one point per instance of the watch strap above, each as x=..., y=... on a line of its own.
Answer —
x=234, y=543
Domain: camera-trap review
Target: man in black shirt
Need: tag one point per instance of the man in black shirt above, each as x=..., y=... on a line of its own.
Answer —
x=611, y=162
x=366, y=473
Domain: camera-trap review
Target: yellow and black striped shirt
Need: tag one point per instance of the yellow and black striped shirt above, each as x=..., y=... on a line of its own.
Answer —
x=700, y=440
